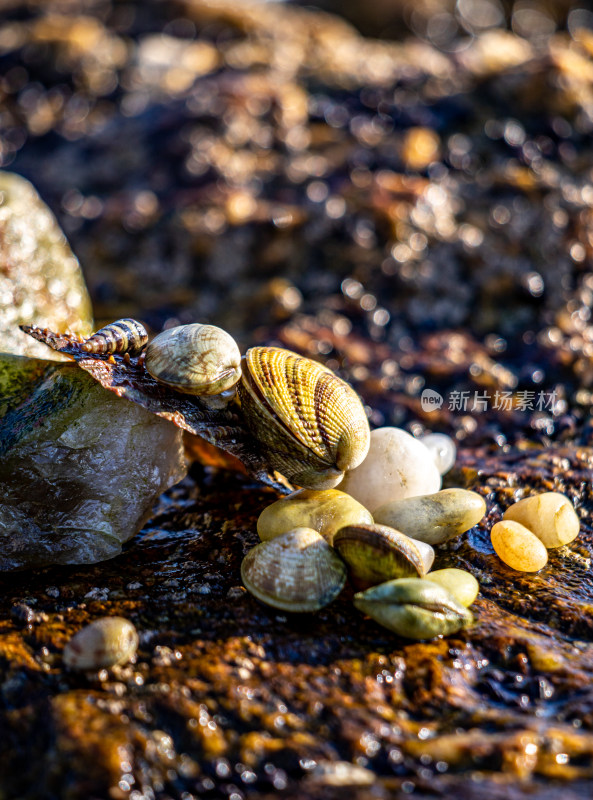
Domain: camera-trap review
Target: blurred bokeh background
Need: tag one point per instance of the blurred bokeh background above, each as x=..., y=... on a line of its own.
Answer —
x=443, y=22
x=402, y=189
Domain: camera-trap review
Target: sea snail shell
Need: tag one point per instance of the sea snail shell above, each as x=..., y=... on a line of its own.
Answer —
x=311, y=424
x=194, y=359
x=122, y=336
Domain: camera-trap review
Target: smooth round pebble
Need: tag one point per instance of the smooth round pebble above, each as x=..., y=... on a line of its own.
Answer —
x=397, y=466
x=518, y=547
x=324, y=510
x=103, y=643
x=443, y=450
x=550, y=516
x=434, y=518
x=459, y=583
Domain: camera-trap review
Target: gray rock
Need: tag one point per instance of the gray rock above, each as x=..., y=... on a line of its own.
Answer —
x=80, y=468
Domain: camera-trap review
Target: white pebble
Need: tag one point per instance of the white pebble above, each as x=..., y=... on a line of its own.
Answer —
x=442, y=448
x=397, y=466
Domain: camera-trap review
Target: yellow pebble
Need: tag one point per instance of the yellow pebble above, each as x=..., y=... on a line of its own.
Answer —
x=550, y=516
x=461, y=584
x=324, y=510
x=518, y=547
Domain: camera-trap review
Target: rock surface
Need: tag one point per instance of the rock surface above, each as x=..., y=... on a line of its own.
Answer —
x=40, y=278
x=80, y=468
x=226, y=691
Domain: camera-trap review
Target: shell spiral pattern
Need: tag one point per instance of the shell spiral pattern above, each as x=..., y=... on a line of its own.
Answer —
x=122, y=336
x=311, y=424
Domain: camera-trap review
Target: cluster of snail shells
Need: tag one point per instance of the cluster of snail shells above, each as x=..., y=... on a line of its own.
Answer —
x=310, y=424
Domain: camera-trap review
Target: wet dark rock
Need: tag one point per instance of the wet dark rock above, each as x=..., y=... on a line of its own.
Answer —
x=80, y=468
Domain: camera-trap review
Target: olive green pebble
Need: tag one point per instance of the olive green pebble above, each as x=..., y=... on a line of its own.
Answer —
x=433, y=518
x=550, y=516
x=324, y=510
x=413, y=607
x=458, y=582
x=518, y=547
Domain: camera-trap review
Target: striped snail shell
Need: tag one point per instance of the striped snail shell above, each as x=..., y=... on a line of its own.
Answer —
x=311, y=424
x=122, y=336
x=194, y=359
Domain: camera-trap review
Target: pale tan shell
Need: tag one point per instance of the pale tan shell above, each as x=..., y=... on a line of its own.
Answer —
x=103, y=643
x=377, y=553
x=297, y=571
x=194, y=359
x=310, y=423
